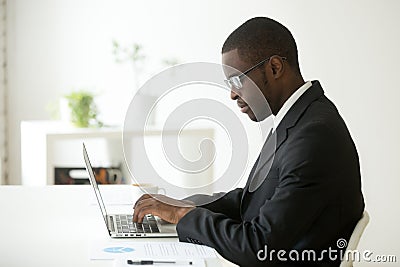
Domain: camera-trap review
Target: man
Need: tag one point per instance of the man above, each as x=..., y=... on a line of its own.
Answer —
x=309, y=198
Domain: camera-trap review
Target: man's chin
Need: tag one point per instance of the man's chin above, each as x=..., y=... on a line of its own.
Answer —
x=258, y=118
x=252, y=116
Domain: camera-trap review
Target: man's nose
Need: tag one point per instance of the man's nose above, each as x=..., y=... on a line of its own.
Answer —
x=234, y=96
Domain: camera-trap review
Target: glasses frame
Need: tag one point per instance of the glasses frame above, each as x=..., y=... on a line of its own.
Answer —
x=236, y=80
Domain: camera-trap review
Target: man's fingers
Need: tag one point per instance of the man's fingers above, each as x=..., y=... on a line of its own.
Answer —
x=158, y=205
x=143, y=197
x=144, y=211
x=155, y=207
x=143, y=204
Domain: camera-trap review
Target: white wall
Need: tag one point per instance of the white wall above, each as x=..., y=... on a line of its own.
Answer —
x=350, y=46
x=2, y=92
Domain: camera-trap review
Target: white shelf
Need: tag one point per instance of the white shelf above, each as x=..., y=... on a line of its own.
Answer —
x=49, y=144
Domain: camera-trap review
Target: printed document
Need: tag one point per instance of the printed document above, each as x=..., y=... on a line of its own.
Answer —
x=108, y=250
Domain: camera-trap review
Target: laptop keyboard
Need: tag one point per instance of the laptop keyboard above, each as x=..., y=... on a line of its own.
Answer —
x=126, y=225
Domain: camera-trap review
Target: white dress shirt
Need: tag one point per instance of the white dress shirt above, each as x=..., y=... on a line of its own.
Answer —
x=289, y=103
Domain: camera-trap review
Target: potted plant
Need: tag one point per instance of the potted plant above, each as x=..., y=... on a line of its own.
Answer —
x=83, y=111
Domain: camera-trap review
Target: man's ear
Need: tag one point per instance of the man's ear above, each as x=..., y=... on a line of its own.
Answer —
x=277, y=66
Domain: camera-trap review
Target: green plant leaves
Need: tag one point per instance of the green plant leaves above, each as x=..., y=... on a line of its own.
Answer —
x=83, y=109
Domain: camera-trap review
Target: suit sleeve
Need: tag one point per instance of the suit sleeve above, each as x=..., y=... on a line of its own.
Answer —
x=225, y=203
x=305, y=186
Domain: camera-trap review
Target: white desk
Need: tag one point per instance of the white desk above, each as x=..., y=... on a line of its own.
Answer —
x=32, y=216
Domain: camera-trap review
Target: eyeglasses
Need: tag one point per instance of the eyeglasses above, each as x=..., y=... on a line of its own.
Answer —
x=236, y=80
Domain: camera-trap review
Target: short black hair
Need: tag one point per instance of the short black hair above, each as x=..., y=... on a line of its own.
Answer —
x=261, y=37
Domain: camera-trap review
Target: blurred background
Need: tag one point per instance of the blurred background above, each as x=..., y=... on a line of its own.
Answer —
x=51, y=48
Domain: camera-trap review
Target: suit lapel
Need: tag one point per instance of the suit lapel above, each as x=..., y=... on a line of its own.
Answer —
x=265, y=160
x=274, y=142
x=297, y=110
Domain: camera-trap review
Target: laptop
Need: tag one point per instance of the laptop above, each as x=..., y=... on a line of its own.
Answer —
x=122, y=225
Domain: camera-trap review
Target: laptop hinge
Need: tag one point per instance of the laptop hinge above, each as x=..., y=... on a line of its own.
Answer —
x=110, y=224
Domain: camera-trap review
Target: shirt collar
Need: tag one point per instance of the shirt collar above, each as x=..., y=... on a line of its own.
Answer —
x=289, y=103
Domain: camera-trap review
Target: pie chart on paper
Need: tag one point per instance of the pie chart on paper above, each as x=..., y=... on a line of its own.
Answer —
x=118, y=250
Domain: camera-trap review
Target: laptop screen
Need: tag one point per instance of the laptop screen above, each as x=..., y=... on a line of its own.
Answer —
x=93, y=182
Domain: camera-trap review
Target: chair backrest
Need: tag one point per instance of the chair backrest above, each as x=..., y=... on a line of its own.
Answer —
x=354, y=239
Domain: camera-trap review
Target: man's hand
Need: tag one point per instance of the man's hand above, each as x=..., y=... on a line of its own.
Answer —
x=168, y=209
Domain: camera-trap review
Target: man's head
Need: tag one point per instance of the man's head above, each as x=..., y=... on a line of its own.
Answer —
x=268, y=45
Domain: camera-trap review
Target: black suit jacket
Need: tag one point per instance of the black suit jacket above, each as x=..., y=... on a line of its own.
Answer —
x=309, y=198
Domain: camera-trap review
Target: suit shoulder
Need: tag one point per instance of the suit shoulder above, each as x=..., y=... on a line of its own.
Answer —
x=323, y=111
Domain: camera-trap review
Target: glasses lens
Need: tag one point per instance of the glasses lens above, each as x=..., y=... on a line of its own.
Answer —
x=228, y=83
x=235, y=80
